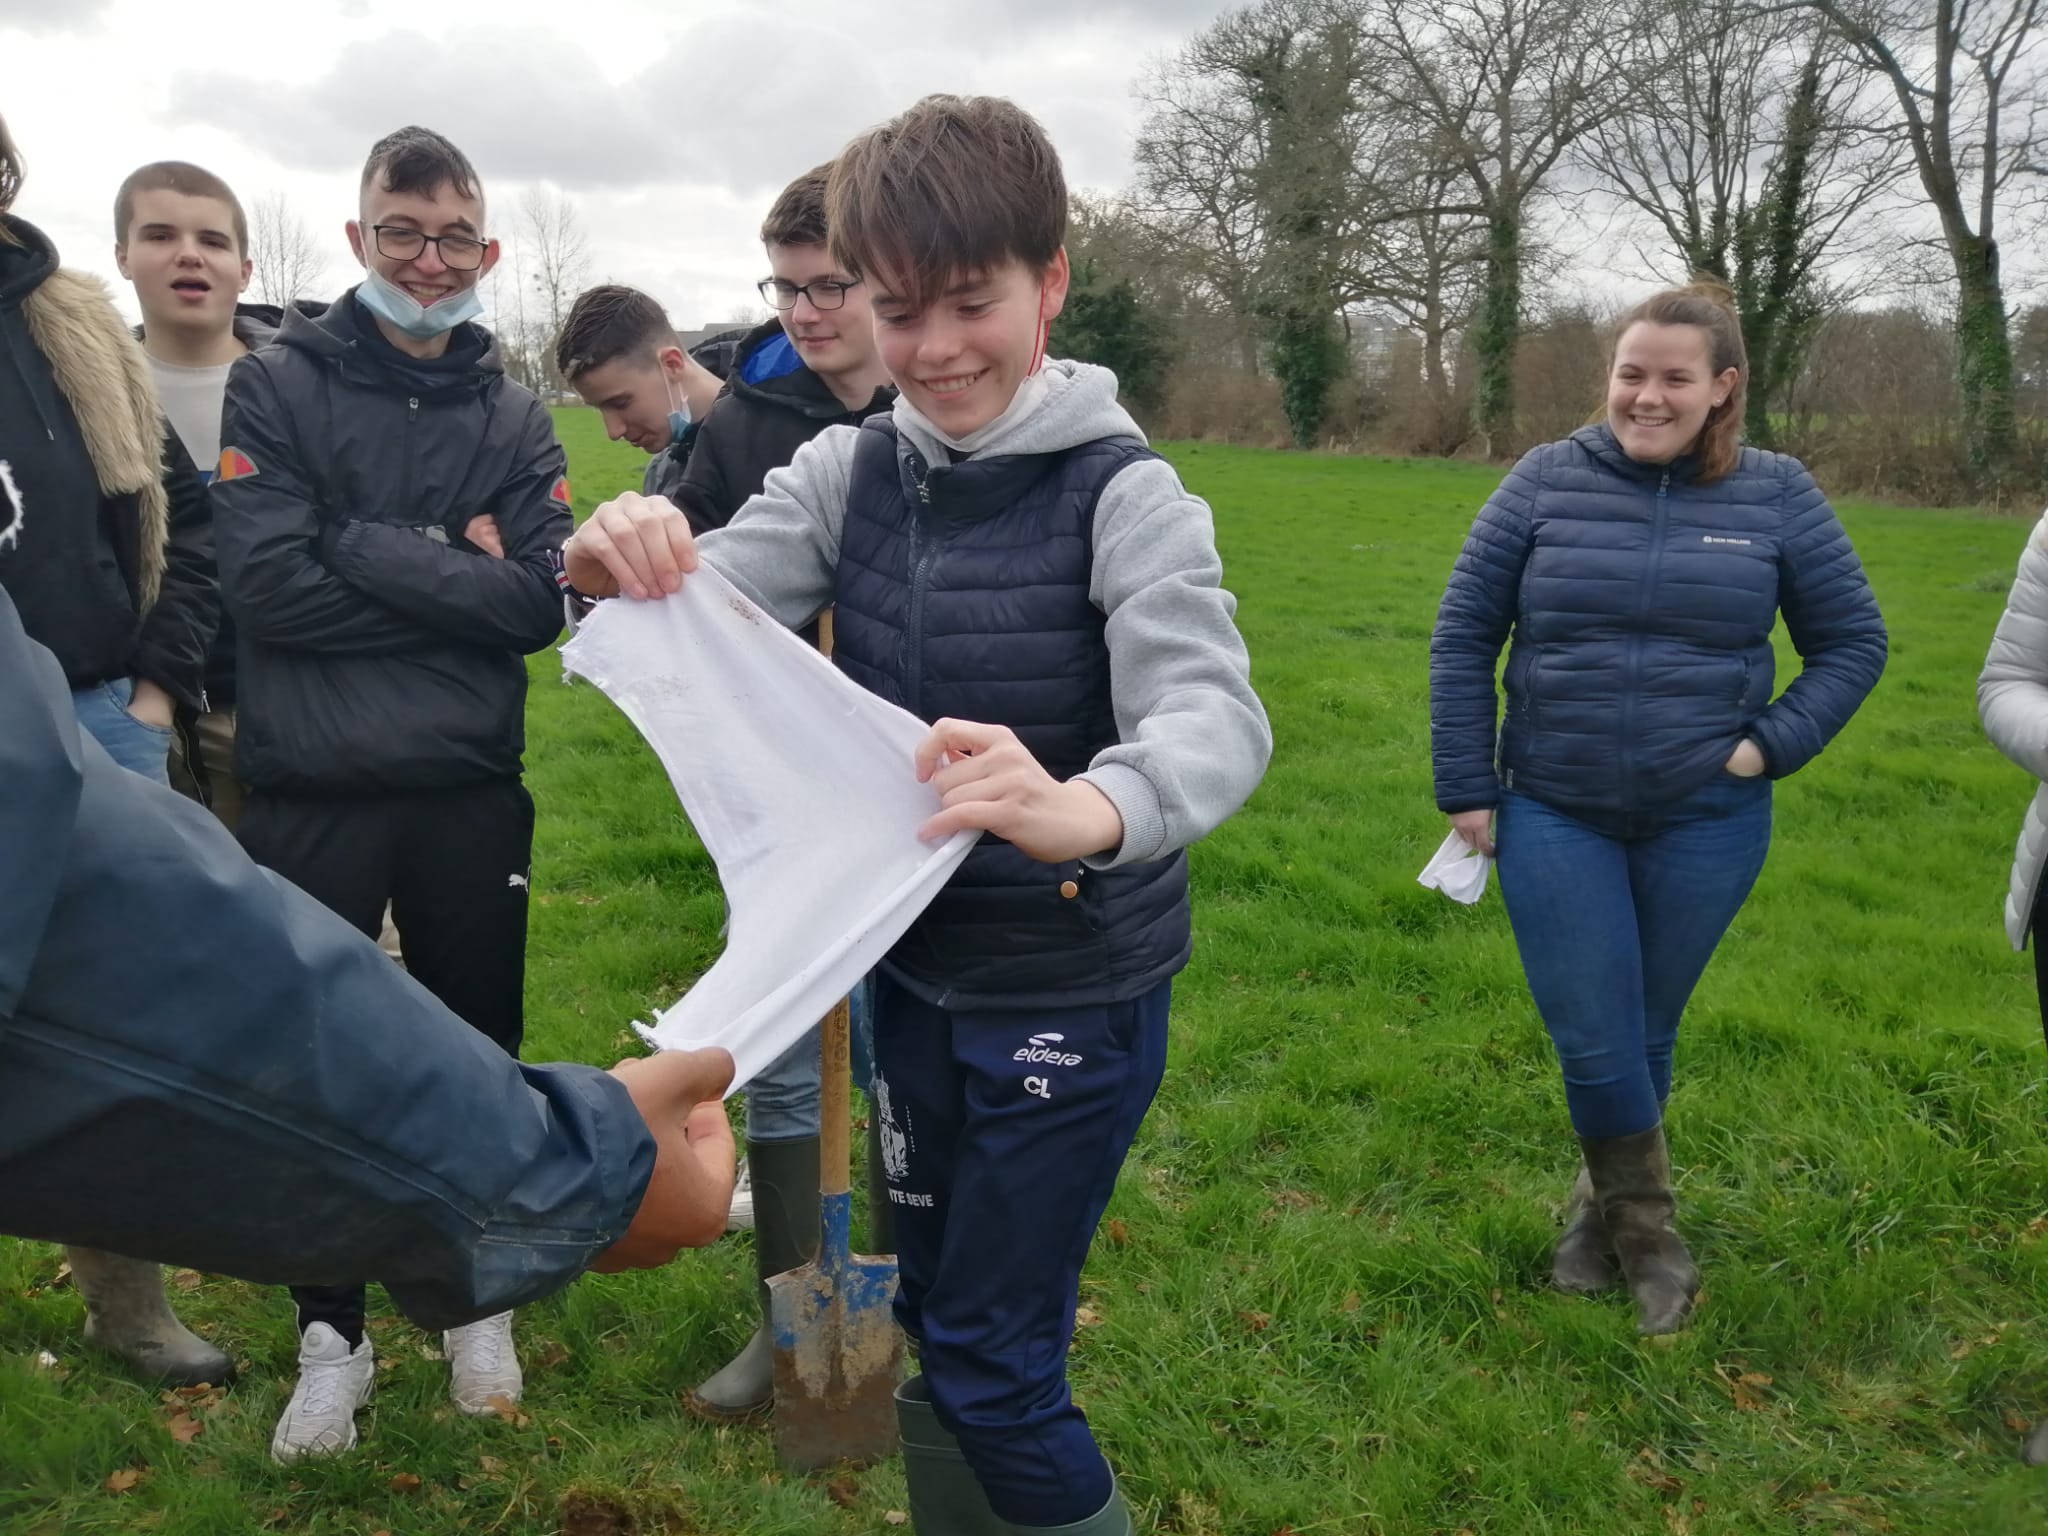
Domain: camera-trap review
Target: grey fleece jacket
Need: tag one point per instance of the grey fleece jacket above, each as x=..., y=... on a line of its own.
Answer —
x=1194, y=737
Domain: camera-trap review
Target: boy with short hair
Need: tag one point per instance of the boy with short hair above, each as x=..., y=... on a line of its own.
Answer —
x=389, y=510
x=1009, y=561
x=619, y=352
x=182, y=240
x=814, y=367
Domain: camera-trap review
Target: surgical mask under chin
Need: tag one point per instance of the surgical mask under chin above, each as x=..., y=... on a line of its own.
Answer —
x=678, y=415
x=423, y=322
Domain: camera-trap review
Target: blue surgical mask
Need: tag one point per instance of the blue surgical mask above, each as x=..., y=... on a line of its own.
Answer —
x=423, y=322
x=678, y=416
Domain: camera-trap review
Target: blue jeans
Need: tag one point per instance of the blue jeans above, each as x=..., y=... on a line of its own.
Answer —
x=135, y=744
x=782, y=1100
x=1616, y=925
x=1002, y=1134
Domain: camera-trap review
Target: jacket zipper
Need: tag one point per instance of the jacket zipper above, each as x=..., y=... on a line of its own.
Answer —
x=412, y=416
x=21, y=372
x=1632, y=677
x=920, y=578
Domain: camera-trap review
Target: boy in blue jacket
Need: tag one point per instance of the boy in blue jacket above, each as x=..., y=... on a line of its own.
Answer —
x=1007, y=559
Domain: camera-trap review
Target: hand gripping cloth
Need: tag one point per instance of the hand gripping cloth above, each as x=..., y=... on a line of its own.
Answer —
x=800, y=784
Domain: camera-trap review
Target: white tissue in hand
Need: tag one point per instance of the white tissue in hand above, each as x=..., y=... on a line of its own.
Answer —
x=802, y=786
x=1458, y=870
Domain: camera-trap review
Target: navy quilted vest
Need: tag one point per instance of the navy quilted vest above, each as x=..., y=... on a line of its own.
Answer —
x=963, y=593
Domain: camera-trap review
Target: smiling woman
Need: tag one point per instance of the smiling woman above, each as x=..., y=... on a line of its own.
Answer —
x=1636, y=570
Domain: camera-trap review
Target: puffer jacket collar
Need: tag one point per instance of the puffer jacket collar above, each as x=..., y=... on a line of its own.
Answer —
x=1599, y=440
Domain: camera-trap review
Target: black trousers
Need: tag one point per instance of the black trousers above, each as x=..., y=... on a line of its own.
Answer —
x=454, y=864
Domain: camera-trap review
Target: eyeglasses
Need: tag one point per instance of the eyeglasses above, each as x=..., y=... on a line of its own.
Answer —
x=825, y=293
x=458, y=253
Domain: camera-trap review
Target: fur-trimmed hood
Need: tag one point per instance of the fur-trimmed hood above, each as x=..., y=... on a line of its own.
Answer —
x=102, y=371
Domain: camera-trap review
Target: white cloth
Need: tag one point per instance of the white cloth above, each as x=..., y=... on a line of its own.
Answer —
x=1458, y=870
x=800, y=783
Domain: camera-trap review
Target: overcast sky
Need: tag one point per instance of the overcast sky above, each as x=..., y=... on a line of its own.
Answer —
x=671, y=125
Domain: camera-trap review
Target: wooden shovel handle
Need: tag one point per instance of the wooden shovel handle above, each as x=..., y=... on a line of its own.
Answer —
x=835, y=1118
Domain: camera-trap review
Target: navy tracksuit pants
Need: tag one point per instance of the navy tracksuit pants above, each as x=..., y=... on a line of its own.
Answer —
x=1002, y=1133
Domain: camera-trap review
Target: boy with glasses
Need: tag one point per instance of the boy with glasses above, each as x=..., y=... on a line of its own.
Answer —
x=769, y=409
x=388, y=508
x=813, y=367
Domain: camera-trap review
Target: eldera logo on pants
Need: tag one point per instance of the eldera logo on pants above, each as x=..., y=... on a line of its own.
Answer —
x=1047, y=1050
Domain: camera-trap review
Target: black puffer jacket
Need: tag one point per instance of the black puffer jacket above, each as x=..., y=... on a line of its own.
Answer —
x=1641, y=604
x=379, y=650
x=115, y=583
x=755, y=428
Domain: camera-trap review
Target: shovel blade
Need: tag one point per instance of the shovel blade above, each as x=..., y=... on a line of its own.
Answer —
x=838, y=1357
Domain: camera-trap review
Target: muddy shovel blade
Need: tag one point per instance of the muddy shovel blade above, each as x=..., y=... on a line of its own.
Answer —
x=838, y=1353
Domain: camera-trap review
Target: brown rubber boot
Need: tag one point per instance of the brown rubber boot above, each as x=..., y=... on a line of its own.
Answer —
x=126, y=1314
x=1632, y=1187
x=1583, y=1261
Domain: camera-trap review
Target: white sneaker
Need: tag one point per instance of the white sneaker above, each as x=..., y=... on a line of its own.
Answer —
x=334, y=1382
x=482, y=1365
x=741, y=1217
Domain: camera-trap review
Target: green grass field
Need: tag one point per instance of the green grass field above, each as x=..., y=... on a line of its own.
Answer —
x=1319, y=1304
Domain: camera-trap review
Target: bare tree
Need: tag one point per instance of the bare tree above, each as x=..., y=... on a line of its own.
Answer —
x=1501, y=90
x=289, y=263
x=558, y=258
x=1966, y=80
x=1427, y=267
x=1756, y=161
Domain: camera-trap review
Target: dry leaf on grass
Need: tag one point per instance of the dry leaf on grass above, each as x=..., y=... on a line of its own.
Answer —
x=405, y=1482
x=1087, y=1317
x=184, y=1428
x=1119, y=1233
x=125, y=1479
x=1257, y=1322
x=506, y=1409
x=843, y=1491
x=894, y=1517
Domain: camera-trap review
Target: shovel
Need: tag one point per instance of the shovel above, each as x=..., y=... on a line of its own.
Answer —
x=838, y=1351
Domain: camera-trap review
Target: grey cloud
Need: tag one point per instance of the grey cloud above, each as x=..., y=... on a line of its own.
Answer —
x=523, y=105
x=732, y=101
x=46, y=16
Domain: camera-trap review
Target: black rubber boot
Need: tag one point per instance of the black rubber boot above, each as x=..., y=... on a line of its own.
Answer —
x=945, y=1496
x=785, y=1238
x=1113, y=1519
x=126, y=1314
x=1583, y=1261
x=881, y=1213
x=1632, y=1186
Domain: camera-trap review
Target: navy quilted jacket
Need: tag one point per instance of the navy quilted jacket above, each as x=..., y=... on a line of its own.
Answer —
x=1640, y=604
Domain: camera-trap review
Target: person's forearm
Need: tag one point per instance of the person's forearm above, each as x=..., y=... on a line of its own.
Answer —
x=350, y=1127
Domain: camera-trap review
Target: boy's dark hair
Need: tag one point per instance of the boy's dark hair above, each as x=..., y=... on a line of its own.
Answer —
x=955, y=186
x=798, y=217
x=419, y=160
x=10, y=168
x=176, y=176
x=607, y=323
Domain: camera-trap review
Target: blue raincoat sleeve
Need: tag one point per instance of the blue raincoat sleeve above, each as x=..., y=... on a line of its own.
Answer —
x=202, y=1065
